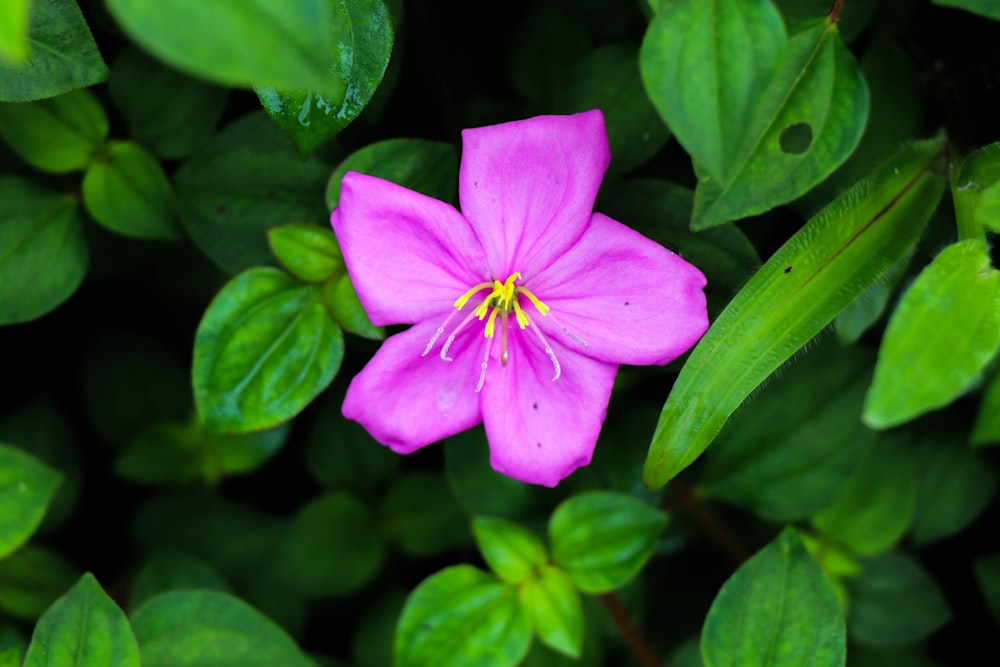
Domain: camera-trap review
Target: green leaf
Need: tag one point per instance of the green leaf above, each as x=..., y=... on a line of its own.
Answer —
x=987, y=428
x=462, y=617
x=894, y=603
x=602, y=539
x=263, y=351
x=168, y=112
x=792, y=451
x=209, y=628
x=823, y=267
x=237, y=42
x=940, y=337
x=309, y=252
x=62, y=55
x=332, y=547
x=126, y=190
x=867, y=308
x=346, y=310
x=765, y=118
x=854, y=16
x=372, y=643
x=43, y=253
x=428, y=167
x=31, y=579
x=59, y=134
x=243, y=182
x=975, y=190
x=27, y=486
x=987, y=570
x=986, y=8
x=10, y=658
x=512, y=551
x=479, y=488
x=420, y=514
x=876, y=506
x=552, y=603
x=608, y=79
x=14, y=16
x=360, y=42
x=166, y=570
x=777, y=609
x=84, y=628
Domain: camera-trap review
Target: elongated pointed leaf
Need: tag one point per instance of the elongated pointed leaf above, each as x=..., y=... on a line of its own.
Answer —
x=827, y=264
x=944, y=331
x=27, y=486
x=84, y=628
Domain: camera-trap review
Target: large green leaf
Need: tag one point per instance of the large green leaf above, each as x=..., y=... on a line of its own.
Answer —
x=764, y=117
x=823, y=267
x=14, y=16
x=944, y=331
x=27, y=486
x=462, y=617
x=778, y=609
x=59, y=134
x=84, y=628
x=62, y=55
x=210, y=629
x=243, y=182
x=237, y=42
x=264, y=349
x=43, y=253
x=360, y=43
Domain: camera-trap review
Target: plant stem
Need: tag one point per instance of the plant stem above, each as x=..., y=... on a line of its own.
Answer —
x=641, y=650
x=688, y=501
x=835, y=11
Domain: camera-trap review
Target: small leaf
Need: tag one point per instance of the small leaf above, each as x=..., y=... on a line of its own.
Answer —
x=602, y=539
x=944, y=331
x=27, y=486
x=43, y=252
x=209, y=628
x=126, y=191
x=552, y=603
x=264, y=349
x=345, y=308
x=308, y=252
x=84, y=628
x=360, y=43
x=822, y=268
x=31, y=579
x=59, y=134
x=419, y=513
x=14, y=16
x=62, y=55
x=777, y=609
x=894, y=603
x=237, y=42
x=459, y=617
x=512, y=551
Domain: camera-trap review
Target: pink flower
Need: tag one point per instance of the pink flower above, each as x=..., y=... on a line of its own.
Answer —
x=523, y=305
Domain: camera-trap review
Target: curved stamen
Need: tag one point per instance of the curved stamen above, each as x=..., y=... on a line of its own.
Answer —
x=567, y=331
x=451, y=337
x=482, y=371
x=437, y=334
x=548, y=349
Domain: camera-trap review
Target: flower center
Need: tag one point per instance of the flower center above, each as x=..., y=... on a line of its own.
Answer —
x=501, y=301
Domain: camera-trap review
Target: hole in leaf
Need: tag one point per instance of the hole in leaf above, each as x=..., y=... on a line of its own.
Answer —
x=795, y=139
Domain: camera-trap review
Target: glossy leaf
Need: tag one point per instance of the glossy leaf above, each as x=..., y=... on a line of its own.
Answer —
x=31, y=579
x=14, y=16
x=894, y=602
x=944, y=331
x=602, y=539
x=460, y=617
x=987, y=427
x=985, y=8
x=237, y=42
x=167, y=570
x=428, y=167
x=27, y=486
x=43, y=253
x=552, y=603
x=332, y=547
x=59, y=134
x=344, y=307
x=246, y=180
x=126, y=190
x=419, y=513
x=823, y=267
x=785, y=112
x=308, y=252
x=208, y=628
x=264, y=349
x=777, y=609
x=62, y=55
x=84, y=628
x=789, y=455
x=360, y=39
x=512, y=551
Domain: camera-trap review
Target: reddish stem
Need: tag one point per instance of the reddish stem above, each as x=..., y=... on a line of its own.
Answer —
x=835, y=11
x=641, y=650
x=688, y=501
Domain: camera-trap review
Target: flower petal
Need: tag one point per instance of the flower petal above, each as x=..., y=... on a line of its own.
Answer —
x=541, y=430
x=408, y=255
x=528, y=187
x=407, y=401
x=632, y=300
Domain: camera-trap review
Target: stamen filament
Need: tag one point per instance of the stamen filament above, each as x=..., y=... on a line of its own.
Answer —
x=503, y=339
x=542, y=308
x=451, y=338
x=568, y=332
x=464, y=299
x=548, y=350
x=437, y=334
x=482, y=370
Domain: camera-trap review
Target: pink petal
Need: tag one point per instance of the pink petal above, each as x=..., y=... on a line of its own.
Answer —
x=528, y=187
x=407, y=401
x=409, y=256
x=541, y=430
x=629, y=298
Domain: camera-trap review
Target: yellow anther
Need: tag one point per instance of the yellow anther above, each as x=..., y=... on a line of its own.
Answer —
x=491, y=323
x=464, y=299
x=522, y=317
x=542, y=308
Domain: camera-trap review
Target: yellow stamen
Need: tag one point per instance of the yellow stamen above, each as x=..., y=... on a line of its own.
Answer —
x=542, y=308
x=464, y=299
